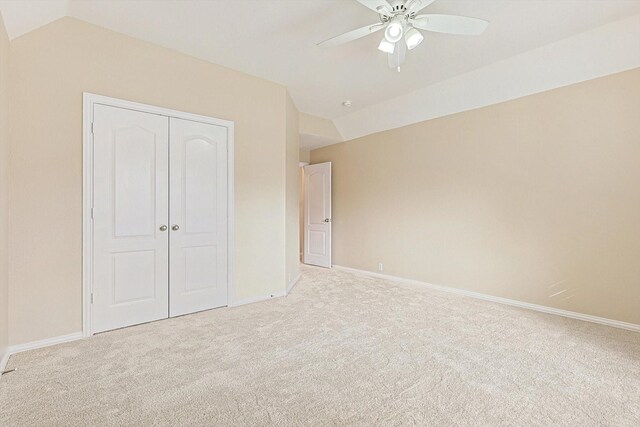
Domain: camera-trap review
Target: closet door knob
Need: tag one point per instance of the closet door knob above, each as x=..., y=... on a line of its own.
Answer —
x=163, y=227
x=175, y=227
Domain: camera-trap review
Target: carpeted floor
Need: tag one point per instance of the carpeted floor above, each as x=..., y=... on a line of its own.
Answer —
x=339, y=350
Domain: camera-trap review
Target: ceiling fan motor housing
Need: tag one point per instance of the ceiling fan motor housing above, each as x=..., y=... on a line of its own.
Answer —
x=397, y=8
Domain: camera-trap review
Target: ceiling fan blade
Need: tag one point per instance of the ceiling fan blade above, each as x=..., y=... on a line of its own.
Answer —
x=352, y=35
x=378, y=6
x=450, y=24
x=416, y=6
x=397, y=57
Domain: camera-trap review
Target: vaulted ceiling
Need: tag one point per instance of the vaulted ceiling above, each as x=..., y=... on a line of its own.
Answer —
x=276, y=39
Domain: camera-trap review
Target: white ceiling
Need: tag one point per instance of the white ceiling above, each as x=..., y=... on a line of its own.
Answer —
x=275, y=39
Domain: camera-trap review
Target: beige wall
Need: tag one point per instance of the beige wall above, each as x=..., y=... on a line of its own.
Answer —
x=4, y=189
x=536, y=199
x=293, y=192
x=50, y=68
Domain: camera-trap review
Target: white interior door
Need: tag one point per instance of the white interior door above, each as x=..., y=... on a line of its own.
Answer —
x=317, y=214
x=198, y=216
x=130, y=218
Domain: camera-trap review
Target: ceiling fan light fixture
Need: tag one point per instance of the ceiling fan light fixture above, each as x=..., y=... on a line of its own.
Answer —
x=386, y=46
x=394, y=31
x=402, y=26
x=413, y=38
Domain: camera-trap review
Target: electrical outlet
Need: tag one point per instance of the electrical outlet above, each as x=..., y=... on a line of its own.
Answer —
x=379, y=266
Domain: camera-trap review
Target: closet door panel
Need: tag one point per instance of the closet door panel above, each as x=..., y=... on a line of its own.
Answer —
x=198, y=216
x=130, y=274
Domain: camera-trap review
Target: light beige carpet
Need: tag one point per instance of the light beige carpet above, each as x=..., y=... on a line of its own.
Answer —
x=339, y=350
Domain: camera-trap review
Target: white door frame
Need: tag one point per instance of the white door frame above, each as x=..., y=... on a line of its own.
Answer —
x=89, y=100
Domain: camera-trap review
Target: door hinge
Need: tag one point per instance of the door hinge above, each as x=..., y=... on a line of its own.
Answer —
x=92, y=128
x=91, y=213
x=91, y=297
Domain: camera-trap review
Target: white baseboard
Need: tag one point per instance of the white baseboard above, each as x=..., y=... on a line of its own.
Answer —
x=259, y=298
x=45, y=343
x=79, y=335
x=549, y=310
x=4, y=360
x=293, y=283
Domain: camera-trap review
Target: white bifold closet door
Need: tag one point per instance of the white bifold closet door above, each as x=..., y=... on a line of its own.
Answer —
x=198, y=212
x=159, y=217
x=131, y=204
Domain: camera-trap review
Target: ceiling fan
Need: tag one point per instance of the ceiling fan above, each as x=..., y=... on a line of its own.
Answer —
x=400, y=21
